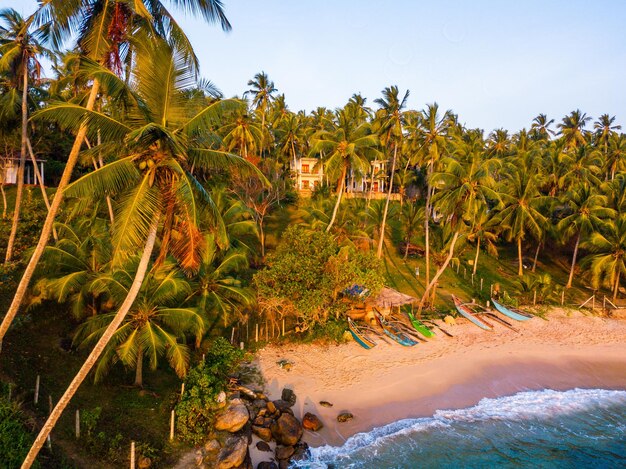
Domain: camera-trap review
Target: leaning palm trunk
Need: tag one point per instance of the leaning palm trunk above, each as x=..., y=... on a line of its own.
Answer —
x=342, y=182
x=48, y=224
x=20, y=170
x=97, y=350
x=536, y=257
x=571, y=272
x=476, y=257
x=381, y=239
x=438, y=274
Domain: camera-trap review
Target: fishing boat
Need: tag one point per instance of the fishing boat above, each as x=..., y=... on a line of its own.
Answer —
x=467, y=312
x=393, y=331
x=419, y=326
x=511, y=312
x=359, y=335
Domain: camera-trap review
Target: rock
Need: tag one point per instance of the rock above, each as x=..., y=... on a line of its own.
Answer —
x=345, y=417
x=246, y=432
x=325, y=404
x=233, y=418
x=259, y=405
x=263, y=446
x=287, y=430
x=262, y=422
x=283, y=464
x=264, y=433
x=281, y=405
x=302, y=451
x=267, y=465
x=199, y=460
x=221, y=397
x=233, y=454
x=249, y=393
x=271, y=407
x=284, y=452
x=247, y=463
x=212, y=446
x=285, y=364
x=144, y=462
x=262, y=396
x=288, y=396
x=311, y=422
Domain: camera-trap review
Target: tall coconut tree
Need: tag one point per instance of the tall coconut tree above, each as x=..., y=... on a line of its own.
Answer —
x=151, y=180
x=484, y=232
x=616, y=157
x=262, y=92
x=388, y=123
x=588, y=209
x=20, y=48
x=572, y=129
x=540, y=127
x=105, y=28
x=347, y=148
x=605, y=128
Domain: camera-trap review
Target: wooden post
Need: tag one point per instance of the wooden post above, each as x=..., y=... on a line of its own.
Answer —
x=481, y=284
x=36, y=399
x=77, y=424
x=593, y=302
x=604, y=303
x=182, y=389
x=458, y=266
x=472, y=279
x=50, y=404
x=256, y=334
x=132, y=455
x=562, y=297
x=534, y=297
x=49, y=443
x=283, y=327
x=247, y=331
x=172, y=426
x=488, y=303
x=203, y=357
x=464, y=271
x=232, y=335
x=267, y=331
x=241, y=345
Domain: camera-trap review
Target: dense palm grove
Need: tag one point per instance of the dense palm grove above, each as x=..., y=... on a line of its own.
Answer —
x=165, y=189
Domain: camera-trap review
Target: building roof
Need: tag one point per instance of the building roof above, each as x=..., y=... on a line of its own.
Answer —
x=390, y=297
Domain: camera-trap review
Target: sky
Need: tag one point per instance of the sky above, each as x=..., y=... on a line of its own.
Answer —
x=494, y=63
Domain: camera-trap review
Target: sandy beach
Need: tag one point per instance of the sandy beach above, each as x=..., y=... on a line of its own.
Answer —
x=391, y=382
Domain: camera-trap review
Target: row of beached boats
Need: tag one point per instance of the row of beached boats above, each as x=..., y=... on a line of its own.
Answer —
x=396, y=329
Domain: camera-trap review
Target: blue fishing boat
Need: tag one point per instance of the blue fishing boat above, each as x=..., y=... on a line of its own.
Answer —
x=359, y=336
x=466, y=312
x=394, y=331
x=511, y=312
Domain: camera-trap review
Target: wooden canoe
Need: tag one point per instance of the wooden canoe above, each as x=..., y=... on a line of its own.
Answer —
x=393, y=331
x=420, y=327
x=466, y=312
x=511, y=312
x=359, y=336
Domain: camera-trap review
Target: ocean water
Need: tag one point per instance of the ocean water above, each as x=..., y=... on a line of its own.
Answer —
x=579, y=428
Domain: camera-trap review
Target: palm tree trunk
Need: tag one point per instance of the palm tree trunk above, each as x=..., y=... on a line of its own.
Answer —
x=476, y=256
x=520, y=269
x=438, y=274
x=139, y=368
x=20, y=170
x=427, y=225
x=381, y=239
x=97, y=350
x=39, y=179
x=369, y=194
x=616, y=289
x=536, y=257
x=342, y=182
x=47, y=226
x=262, y=237
x=571, y=272
x=4, y=196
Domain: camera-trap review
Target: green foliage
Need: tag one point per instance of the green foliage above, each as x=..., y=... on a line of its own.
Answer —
x=308, y=271
x=32, y=215
x=196, y=410
x=15, y=439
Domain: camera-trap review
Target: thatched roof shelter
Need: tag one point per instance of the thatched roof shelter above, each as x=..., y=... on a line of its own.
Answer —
x=389, y=297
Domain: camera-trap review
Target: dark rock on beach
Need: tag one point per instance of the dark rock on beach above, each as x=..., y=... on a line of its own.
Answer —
x=287, y=430
x=267, y=465
x=288, y=396
x=263, y=446
x=344, y=417
x=233, y=454
x=284, y=452
x=233, y=418
x=311, y=422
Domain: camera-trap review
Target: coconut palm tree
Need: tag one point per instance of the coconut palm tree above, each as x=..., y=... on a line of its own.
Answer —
x=572, y=129
x=608, y=258
x=588, y=211
x=388, y=124
x=347, y=147
x=151, y=179
x=262, y=93
x=540, y=128
x=20, y=47
x=105, y=28
x=616, y=157
x=243, y=135
x=605, y=128
x=485, y=232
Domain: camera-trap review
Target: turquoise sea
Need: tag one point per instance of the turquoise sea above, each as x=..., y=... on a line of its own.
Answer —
x=579, y=428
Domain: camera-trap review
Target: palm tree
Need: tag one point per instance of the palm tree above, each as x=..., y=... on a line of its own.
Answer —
x=410, y=217
x=348, y=147
x=608, y=261
x=20, y=46
x=388, y=124
x=572, y=129
x=485, y=232
x=588, y=210
x=243, y=135
x=540, y=127
x=152, y=326
x=521, y=215
x=616, y=157
x=156, y=149
x=262, y=96
x=105, y=28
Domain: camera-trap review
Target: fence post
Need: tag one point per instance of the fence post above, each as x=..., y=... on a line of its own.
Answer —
x=491, y=289
x=37, y=380
x=172, y=425
x=49, y=404
x=77, y=424
x=562, y=297
x=283, y=327
x=593, y=302
x=481, y=284
x=241, y=345
x=132, y=455
x=232, y=335
x=182, y=389
x=534, y=297
x=256, y=334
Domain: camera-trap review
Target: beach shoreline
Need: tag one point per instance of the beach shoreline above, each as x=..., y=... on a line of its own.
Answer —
x=391, y=382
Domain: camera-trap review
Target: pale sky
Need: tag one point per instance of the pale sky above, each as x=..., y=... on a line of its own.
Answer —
x=494, y=63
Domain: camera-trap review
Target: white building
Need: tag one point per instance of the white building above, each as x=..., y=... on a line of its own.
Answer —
x=9, y=167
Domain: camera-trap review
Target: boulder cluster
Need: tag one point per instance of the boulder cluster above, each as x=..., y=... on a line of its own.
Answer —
x=247, y=413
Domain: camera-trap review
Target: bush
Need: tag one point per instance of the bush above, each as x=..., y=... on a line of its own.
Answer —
x=15, y=439
x=195, y=413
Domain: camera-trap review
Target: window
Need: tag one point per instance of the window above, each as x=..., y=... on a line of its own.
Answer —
x=305, y=168
x=305, y=184
x=375, y=188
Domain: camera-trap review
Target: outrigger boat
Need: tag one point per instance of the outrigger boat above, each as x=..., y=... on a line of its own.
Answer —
x=511, y=312
x=394, y=331
x=465, y=310
x=419, y=326
x=359, y=335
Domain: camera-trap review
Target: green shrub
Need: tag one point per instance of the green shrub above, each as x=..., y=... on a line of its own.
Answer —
x=15, y=439
x=195, y=412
